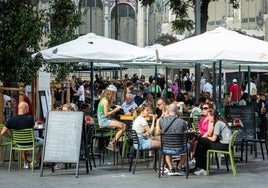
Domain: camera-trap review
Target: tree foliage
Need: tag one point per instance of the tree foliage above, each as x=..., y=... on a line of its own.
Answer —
x=180, y=9
x=20, y=33
x=64, y=18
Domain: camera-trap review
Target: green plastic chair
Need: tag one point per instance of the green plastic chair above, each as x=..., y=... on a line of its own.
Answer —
x=5, y=143
x=22, y=140
x=230, y=152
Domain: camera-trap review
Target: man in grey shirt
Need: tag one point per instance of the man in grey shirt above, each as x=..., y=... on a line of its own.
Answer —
x=178, y=126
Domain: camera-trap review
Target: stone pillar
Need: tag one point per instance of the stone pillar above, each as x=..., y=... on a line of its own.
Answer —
x=106, y=18
x=140, y=25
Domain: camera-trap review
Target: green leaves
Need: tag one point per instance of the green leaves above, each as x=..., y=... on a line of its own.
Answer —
x=20, y=31
x=64, y=18
x=180, y=9
x=147, y=2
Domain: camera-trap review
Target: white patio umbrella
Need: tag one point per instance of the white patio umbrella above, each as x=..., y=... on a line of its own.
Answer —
x=218, y=44
x=91, y=47
x=95, y=49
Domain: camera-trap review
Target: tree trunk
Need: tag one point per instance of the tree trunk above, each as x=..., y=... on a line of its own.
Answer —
x=204, y=15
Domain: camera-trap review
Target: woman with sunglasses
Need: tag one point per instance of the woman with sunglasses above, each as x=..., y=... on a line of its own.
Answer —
x=219, y=140
x=205, y=127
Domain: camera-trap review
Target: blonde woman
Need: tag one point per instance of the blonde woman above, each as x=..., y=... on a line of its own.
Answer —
x=144, y=131
x=104, y=114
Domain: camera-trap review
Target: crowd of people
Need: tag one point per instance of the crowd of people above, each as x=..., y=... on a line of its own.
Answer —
x=164, y=105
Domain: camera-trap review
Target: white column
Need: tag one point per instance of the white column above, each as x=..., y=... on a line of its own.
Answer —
x=140, y=25
x=106, y=18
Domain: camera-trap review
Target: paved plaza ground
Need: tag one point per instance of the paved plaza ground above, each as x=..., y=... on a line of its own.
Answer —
x=252, y=174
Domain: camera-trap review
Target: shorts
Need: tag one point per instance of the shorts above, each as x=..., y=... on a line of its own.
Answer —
x=103, y=121
x=144, y=143
x=173, y=152
x=39, y=141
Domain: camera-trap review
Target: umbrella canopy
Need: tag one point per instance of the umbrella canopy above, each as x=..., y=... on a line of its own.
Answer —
x=91, y=47
x=218, y=44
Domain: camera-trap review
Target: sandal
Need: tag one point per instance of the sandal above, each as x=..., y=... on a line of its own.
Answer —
x=112, y=147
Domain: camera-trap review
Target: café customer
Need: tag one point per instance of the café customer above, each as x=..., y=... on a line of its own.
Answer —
x=105, y=113
x=24, y=121
x=219, y=140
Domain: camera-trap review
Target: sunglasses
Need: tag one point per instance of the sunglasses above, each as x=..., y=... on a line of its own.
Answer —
x=159, y=104
x=204, y=108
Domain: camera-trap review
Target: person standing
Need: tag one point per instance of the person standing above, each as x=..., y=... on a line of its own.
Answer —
x=104, y=114
x=81, y=93
x=252, y=88
x=207, y=87
x=188, y=84
x=234, y=91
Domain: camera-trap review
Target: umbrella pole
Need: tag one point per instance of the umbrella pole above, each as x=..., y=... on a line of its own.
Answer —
x=214, y=83
x=220, y=72
x=249, y=84
x=92, y=90
x=239, y=84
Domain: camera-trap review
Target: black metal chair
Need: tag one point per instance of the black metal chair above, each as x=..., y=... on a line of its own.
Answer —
x=171, y=141
x=101, y=139
x=136, y=152
x=90, y=145
x=252, y=140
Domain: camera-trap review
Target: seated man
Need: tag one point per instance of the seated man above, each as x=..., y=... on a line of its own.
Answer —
x=138, y=98
x=129, y=104
x=169, y=124
x=23, y=121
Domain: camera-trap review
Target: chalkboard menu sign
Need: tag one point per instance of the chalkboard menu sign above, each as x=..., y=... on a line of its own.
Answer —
x=63, y=137
x=247, y=116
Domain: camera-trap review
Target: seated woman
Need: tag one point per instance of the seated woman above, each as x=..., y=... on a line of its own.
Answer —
x=205, y=127
x=105, y=112
x=144, y=132
x=219, y=140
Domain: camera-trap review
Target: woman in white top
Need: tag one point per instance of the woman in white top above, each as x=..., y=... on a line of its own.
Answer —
x=144, y=131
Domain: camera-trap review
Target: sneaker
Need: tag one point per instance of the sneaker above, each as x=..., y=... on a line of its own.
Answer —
x=112, y=148
x=171, y=172
x=166, y=170
x=179, y=172
x=200, y=172
x=59, y=166
x=26, y=166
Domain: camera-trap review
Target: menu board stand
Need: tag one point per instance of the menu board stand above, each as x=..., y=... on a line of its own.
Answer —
x=62, y=138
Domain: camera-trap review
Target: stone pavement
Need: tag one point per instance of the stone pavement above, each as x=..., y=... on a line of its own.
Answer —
x=252, y=174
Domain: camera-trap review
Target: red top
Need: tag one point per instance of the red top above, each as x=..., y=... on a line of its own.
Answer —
x=203, y=126
x=234, y=91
